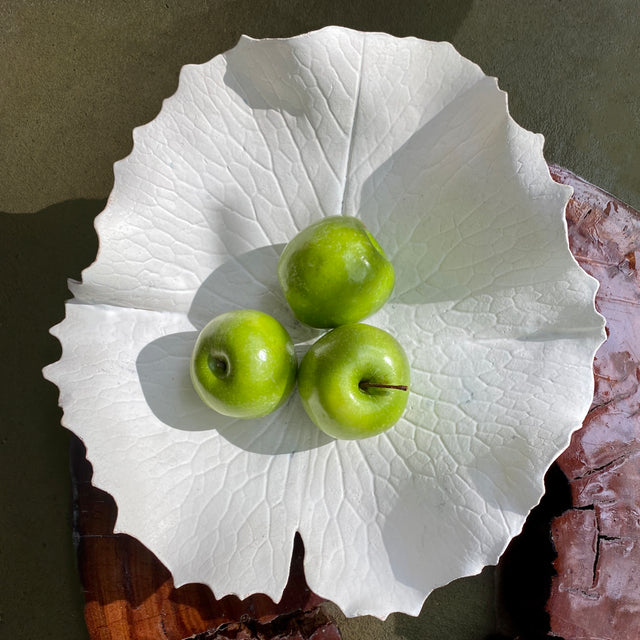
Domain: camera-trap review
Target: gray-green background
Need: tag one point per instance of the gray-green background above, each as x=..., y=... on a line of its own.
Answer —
x=77, y=76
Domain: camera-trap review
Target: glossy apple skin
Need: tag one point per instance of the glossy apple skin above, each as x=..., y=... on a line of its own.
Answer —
x=243, y=364
x=329, y=380
x=334, y=272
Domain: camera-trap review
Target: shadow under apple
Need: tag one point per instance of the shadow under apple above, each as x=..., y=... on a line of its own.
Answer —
x=247, y=281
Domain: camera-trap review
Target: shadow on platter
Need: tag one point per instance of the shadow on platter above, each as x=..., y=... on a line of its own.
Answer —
x=248, y=281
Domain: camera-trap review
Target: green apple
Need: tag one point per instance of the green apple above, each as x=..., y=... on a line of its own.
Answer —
x=243, y=364
x=334, y=272
x=354, y=381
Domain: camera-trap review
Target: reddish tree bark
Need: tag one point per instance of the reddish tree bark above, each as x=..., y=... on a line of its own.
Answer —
x=596, y=592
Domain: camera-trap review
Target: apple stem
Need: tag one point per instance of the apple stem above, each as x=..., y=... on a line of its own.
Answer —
x=367, y=385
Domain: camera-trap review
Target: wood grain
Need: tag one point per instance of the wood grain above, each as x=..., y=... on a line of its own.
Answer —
x=596, y=592
x=129, y=593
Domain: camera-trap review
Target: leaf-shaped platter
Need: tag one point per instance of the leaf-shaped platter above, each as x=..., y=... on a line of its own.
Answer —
x=496, y=316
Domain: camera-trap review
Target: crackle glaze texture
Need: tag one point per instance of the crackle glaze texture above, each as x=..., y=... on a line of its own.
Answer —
x=497, y=319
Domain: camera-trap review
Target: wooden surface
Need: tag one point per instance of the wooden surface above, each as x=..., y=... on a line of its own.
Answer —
x=130, y=595
x=595, y=594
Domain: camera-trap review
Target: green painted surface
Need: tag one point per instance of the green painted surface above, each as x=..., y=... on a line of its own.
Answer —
x=77, y=76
